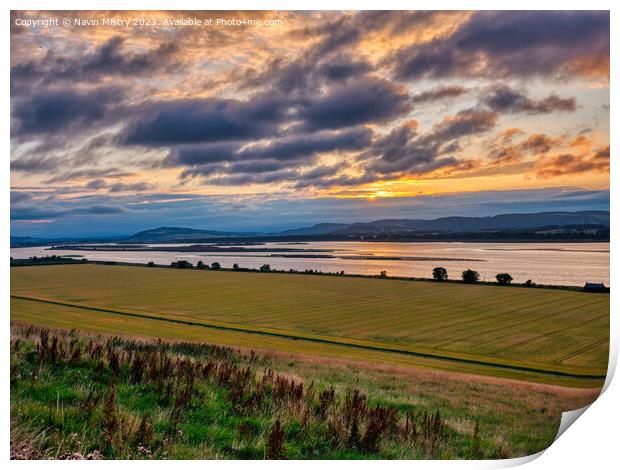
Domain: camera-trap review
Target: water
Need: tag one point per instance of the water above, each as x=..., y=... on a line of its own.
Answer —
x=543, y=263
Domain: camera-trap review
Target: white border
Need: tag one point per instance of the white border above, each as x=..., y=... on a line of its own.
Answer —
x=591, y=443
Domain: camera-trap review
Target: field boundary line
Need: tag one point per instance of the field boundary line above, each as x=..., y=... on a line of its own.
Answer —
x=290, y=336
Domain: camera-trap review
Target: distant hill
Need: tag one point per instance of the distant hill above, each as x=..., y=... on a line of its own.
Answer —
x=550, y=226
x=393, y=227
x=475, y=224
x=174, y=234
x=318, y=229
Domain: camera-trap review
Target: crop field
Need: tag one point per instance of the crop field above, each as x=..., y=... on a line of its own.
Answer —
x=548, y=335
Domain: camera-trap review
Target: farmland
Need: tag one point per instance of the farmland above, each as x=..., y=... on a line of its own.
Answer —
x=76, y=395
x=546, y=335
x=251, y=360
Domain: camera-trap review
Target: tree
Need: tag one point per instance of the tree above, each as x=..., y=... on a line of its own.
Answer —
x=150, y=264
x=383, y=274
x=504, y=279
x=200, y=265
x=440, y=274
x=235, y=266
x=265, y=268
x=215, y=265
x=470, y=277
x=181, y=264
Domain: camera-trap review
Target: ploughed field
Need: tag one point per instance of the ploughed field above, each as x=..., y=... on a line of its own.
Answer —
x=544, y=335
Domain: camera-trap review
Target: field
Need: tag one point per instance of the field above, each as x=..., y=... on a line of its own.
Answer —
x=303, y=366
x=547, y=335
x=76, y=395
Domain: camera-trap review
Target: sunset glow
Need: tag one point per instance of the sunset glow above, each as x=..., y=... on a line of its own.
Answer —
x=126, y=125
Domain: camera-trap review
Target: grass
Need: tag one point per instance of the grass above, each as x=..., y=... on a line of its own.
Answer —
x=300, y=367
x=79, y=395
x=561, y=332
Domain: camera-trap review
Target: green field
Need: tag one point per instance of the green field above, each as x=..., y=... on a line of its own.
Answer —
x=551, y=335
x=78, y=395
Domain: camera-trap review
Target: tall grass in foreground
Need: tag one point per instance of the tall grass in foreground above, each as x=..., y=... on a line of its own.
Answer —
x=77, y=396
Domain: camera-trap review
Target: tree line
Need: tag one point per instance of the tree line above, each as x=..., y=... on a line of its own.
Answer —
x=470, y=276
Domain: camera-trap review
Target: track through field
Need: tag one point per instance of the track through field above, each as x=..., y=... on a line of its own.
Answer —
x=319, y=339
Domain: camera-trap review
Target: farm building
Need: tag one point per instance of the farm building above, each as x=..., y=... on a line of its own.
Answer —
x=595, y=287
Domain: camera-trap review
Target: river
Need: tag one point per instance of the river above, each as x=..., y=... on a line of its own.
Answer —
x=543, y=263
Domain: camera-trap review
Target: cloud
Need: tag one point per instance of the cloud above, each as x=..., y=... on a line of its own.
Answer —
x=118, y=187
x=34, y=164
x=325, y=103
x=107, y=60
x=570, y=164
x=204, y=120
x=329, y=56
x=273, y=212
x=99, y=209
x=18, y=197
x=465, y=123
x=86, y=173
x=502, y=150
x=20, y=213
x=439, y=94
x=506, y=100
x=270, y=157
x=63, y=110
x=130, y=187
x=500, y=44
x=360, y=101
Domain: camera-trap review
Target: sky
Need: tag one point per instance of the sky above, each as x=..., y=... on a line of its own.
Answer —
x=264, y=121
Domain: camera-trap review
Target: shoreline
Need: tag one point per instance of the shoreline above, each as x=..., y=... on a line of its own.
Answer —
x=24, y=263
x=287, y=241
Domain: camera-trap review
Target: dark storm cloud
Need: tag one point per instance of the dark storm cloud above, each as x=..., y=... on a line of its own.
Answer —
x=302, y=177
x=496, y=44
x=328, y=58
x=271, y=157
x=507, y=100
x=254, y=178
x=398, y=152
x=361, y=101
x=342, y=68
x=404, y=151
x=63, y=110
x=109, y=59
x=206, y=120
x=439, y=94
x=308, y=73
